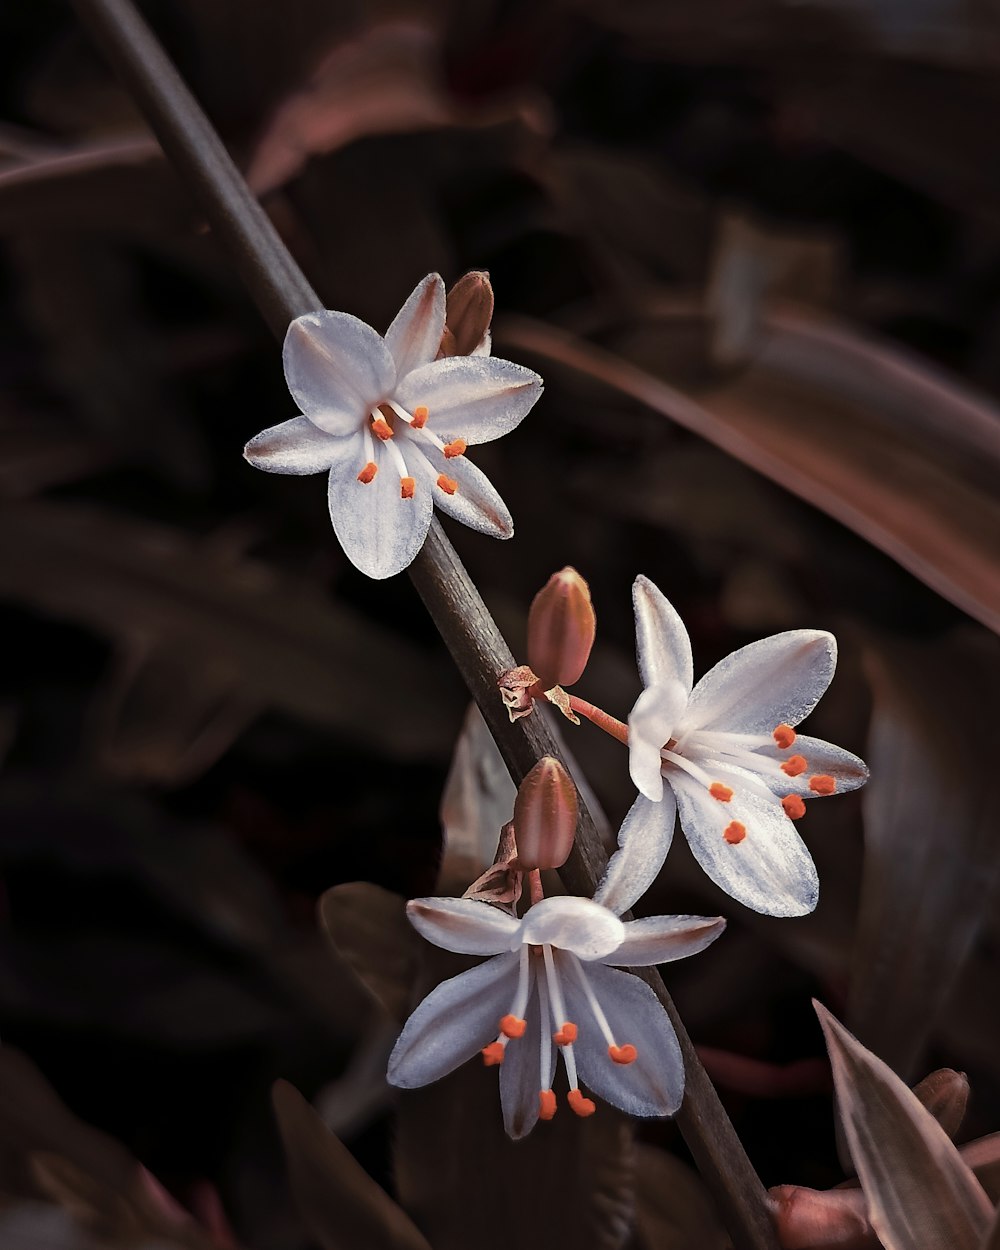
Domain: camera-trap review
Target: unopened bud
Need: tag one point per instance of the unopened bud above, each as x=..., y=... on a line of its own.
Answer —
x=469, y=313
x=945, y=1094
x=545, y=812
x=561, y=628
x=813, y=1219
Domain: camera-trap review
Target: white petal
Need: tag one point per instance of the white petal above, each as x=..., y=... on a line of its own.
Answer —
x=295, y=446
x=573, y=924
x=662, y=939
x=643, y=842
x=654, y=1083
x=453, y=1023
x=650, y=726
x=778, y=680
x=520, y=1073
x=379, y=530
x=475, y=503
x=485, y=347
x=662, y=643
x=477, y=398
x=849, y=772
x=770, y=870
x=463, y=925
x=337, y=369
x=414, y=337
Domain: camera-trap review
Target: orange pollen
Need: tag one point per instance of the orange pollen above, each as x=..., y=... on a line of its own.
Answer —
x=581, y=1105
x=368, y=472
x=794, y=807
x=566, y=1035
x=420, y=417
x=382, y=429
x=734, y=832
x=406, y=487
x=447, y=484
x=546, y=1104
x=513, y=1026
x=718, y=791
x=455, y=448
x=784, y=736
x=794, y=766
x=493, y=1054
x=822, y=783
x=623, y=1054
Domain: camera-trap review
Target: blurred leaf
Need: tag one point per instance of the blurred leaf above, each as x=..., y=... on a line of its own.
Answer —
x=920, y=1193
x=339, y=1203
x=38, y=450
x=673, y=1208
x=369, y=930
x=992, y=1240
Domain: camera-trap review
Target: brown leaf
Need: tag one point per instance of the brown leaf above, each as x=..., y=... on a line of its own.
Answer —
x=369, y=930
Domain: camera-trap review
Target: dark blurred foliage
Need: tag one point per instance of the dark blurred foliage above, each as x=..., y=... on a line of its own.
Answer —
x=790, y=213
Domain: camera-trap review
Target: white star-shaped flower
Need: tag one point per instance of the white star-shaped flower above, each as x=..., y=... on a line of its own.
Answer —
x=549, y=991
x=736, y=771
x=390, y=424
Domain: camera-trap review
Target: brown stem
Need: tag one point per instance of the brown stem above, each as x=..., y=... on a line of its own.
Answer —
x=535, y=891
x=282, y=293
x=603, y=720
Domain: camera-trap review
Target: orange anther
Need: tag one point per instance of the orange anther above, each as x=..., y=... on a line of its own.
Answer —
x=822, y=783
x=546, y=1104
x=566, y=1035
x=734, y=832
x=447, y=484
x=718, y=791
x=794, y=807
x=784, y=736
x=581, y=1105
x=623, y=1054
x=794, y=765
x=455, y=448
x=368, y=472
x=492, y=1054
x=406, y=487
x=382, y=428
x=420, y=415
x=513, y=1026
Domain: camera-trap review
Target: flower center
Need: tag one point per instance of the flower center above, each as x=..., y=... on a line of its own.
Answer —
x=383, y=423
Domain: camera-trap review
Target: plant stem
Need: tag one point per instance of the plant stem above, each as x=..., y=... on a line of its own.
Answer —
x=282, y=293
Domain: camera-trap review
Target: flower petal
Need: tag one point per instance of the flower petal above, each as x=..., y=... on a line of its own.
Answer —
x=295, y=446
x=520, y=1074
x=477, y=398
x=337, y=369
x=849, y=772
x=654, y=1083
x=643, y=842
x=650, y=725
x=769, y=870
x=662, y=643
x=573, y=924
x=778, y=680
x=379, y=530
x=662, y=939
x=475, y=503
x=453, y=1023
x=463, y=925
x=414, y=337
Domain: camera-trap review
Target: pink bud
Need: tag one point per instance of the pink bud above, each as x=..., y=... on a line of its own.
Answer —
x=561, y=628
x=831, y=1219
x=469, y=312
x=545, y=812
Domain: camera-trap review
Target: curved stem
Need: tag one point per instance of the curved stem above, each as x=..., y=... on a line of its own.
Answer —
x=603, y=720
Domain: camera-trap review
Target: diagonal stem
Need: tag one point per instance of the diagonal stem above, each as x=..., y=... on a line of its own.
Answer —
x=282, y=293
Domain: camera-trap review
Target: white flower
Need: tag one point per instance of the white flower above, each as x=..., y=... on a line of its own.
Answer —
x=390, y=423
x=736, y=771
x=549, y=991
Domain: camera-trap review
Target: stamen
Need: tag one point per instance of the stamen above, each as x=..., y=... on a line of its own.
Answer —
x=623, y=1054
x=493, y=1054
x=784, y=735
x=420, y=415
x=794, y=766
x=619, y=1054
x=567, y=1035
x=546, y=1104
x=367, y=474
x=455, y=448
x=447, y=484
x=382, y=429
x=822, y=783
x=581, y=1105
x=511, y=1026
x=406, y=487
x=734, y=832
x=794, y=807
x=718, y=791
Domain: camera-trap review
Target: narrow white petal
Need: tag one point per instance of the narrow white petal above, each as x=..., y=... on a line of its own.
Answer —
x=849, y=772
x=662, y=939
x=463, y=925
x=475, y=503
x=654, y=1083
x=650, y=726
x=485, y=346
x=770, y=870
x=778, y=680
x=453, y=1023
x=662, y=643
x=414, y=337
x=573, y=924
x=295, y=446
x=643, y=842
x=337, y=369
x=379, y=530
x=520, y=1073
x=477, y=398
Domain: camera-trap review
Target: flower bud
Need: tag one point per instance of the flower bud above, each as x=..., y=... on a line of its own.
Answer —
x=469, y=313
x=561, y=628
x=545, y=812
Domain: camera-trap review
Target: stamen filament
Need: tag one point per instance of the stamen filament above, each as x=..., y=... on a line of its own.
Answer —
x=592, y=1003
